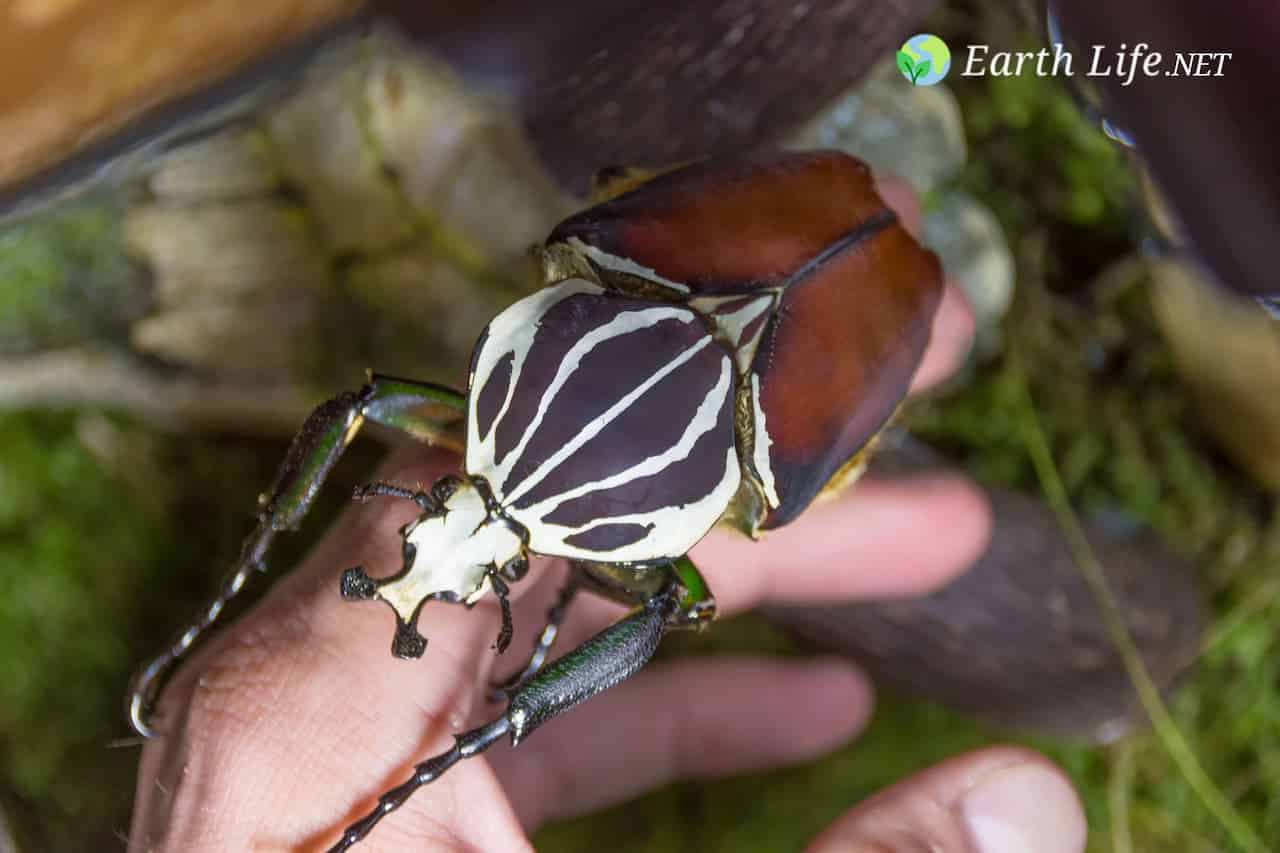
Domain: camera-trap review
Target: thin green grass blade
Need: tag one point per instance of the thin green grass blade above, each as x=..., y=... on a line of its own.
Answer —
x=1167, y=731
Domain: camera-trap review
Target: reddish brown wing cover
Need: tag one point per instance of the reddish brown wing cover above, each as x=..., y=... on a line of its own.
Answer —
x=732, y=226
x=858, y=293
x=838, y=356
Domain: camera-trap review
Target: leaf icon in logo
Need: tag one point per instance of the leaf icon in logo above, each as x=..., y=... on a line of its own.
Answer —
x=906, y=65
x=924, y=59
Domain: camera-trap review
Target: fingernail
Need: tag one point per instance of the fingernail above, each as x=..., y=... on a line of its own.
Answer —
x=1027, y=808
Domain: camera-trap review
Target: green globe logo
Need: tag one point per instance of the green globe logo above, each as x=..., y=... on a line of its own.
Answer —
x=924, y=60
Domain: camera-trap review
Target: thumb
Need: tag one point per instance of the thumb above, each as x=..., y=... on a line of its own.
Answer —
x=997, y=800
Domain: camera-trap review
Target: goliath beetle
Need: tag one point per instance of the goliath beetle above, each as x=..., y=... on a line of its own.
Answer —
x=720, y=341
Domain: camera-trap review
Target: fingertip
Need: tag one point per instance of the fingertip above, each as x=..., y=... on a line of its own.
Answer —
x=950, y=339
x=899, y=195
x=951, y=335
x=1028, y=806
x=885, y=538
x=930, y=528
x=994, y=800
x=961, y=508
x=843, y=701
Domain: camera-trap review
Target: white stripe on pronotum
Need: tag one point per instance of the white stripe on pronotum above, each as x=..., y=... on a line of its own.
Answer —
x=734, y=324
x=676, y=529
x=520, y=341
x=703, y=421
x=592, y=429
x=760, y=453
x=513, y=326
x=673, y=529
x=624, y=323
x=626, y=266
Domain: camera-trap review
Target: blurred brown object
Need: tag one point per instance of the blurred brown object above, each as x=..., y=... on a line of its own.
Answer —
x=1228, y=353
x=94, y=87
x=379, y=215
x=76, y=71
x=615, y=82
x=1209, y=141
x=1018, y=640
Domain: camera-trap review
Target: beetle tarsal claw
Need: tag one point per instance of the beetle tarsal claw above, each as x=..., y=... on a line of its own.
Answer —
x=408, y=643
x=449, y=555
x=357, y=585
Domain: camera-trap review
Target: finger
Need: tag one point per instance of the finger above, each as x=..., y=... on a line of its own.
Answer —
x=997, y=800
x=950, y=339
x=867, y=543
x=748, y=714
x=289, y=723
x=898, y=195
x=952, y=332
x=883, y=538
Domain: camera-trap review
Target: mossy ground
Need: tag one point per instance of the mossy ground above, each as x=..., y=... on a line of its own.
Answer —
x=110, y=533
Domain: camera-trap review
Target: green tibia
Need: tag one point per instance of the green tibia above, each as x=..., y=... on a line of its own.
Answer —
x=398, y=404
x=697, y=604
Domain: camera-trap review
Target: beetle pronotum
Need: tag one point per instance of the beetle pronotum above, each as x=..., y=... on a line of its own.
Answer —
x=722, y=341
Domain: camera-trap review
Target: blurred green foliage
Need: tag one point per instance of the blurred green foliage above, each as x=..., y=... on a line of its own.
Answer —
x=64, y=278
x=110, y=534
x=68, y=596
x=51, y=499
x=1038, y=157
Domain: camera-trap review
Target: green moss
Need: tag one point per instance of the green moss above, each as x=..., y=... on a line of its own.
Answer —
x=67, y=600
x=65, y=278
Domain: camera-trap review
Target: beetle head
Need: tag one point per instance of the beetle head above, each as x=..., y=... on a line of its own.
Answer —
x=449, y=555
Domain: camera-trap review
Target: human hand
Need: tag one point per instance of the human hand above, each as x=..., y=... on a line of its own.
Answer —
x=286, y=725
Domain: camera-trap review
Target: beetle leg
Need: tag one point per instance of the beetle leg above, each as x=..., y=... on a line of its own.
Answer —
x=611, y=656
x=697, y=606
x=555, y=617
x=425, y=500
x=315, y=450
x=502, y=591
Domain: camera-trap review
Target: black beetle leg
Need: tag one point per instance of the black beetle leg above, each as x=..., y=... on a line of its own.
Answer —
x=610, y=657
x=555, y=618
x=395, y=403
x=502, y=591
x=425, y=500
